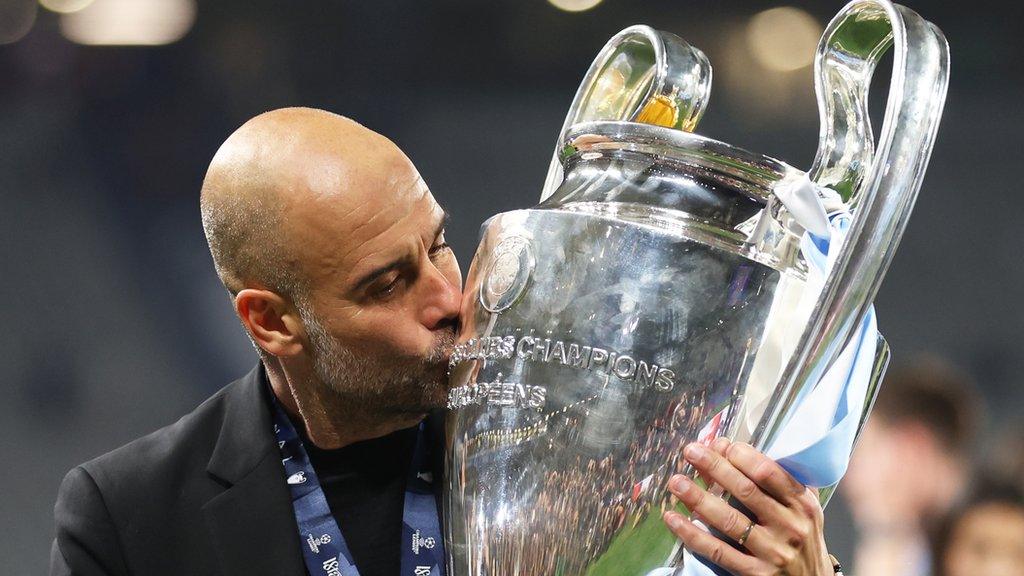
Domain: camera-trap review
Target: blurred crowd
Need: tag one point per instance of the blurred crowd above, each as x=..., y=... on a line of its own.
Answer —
x=578, y=512
x=926, y=496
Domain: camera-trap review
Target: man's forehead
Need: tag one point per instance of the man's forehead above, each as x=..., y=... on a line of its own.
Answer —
x=405, y=217
x=340, y=234
x=365, y=207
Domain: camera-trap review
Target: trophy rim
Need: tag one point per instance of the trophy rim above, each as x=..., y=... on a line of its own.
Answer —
x=752, y=173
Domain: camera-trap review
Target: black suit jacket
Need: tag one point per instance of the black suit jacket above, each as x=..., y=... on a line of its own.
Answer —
x=203, y=496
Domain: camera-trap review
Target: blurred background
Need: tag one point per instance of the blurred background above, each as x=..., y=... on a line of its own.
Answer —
x=110, y=111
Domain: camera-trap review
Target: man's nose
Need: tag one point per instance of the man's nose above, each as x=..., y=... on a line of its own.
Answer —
x=444, y=298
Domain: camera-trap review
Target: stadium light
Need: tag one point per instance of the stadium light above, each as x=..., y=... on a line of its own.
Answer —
x=574, y=5
x=65, y=6
x=783, y=39
x=129, y=22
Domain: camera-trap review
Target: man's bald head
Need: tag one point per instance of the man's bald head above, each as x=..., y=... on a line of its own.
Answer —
x=333, y=249
x=271, y=164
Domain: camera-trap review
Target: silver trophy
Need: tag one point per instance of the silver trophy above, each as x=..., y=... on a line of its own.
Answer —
x=650, y=298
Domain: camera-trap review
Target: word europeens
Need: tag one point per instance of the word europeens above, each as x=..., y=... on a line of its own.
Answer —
x=498, y=393
x=570, y=354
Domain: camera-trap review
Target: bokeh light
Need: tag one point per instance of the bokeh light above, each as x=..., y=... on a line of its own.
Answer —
x=65, y=6
x=574, y=5
x=783, y=39
x=16, y=19
x=130, y=22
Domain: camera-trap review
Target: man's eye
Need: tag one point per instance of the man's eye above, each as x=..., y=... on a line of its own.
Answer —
x=438, y=248
x=388, y=289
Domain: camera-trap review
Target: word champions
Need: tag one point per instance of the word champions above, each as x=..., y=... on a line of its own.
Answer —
x=570, y=354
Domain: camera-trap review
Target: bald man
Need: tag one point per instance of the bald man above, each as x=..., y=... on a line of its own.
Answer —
x=319, y=461
x=332, y=250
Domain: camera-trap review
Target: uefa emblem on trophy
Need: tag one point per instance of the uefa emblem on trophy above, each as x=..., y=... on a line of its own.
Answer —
x=661, y=292
x=507, y=274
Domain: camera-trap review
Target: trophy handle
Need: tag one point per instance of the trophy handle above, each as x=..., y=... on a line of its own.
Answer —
x=879, y=186
x=640, y=75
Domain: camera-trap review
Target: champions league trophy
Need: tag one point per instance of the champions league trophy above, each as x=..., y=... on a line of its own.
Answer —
x=659, y=294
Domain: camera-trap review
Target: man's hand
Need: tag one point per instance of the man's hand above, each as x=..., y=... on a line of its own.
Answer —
x=787, y=539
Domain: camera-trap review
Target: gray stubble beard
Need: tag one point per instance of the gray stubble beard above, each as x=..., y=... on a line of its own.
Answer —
x=386, y=386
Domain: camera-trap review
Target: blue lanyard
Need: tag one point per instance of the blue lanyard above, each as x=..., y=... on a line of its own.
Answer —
x=323, y=546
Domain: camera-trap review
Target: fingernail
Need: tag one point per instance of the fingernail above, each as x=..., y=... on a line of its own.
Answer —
x=680, y=483
x=743, y=446
x=674, y=520
x=721, y=443
x=695, y=453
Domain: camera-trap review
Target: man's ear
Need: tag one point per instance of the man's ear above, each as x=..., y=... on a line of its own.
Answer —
x=271, y=321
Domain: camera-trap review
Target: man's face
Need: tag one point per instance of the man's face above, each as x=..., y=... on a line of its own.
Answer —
x=384, y=290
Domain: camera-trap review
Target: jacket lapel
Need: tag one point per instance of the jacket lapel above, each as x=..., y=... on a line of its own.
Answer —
x=251, y=524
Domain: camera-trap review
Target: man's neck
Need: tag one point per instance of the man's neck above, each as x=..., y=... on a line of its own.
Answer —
x=329, y=422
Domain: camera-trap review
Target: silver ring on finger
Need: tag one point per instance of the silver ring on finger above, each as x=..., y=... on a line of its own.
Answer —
x=746, y=533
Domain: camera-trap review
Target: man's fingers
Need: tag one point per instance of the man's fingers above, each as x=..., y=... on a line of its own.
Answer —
x=704, y=544
x=767, y=473
x=717, y=468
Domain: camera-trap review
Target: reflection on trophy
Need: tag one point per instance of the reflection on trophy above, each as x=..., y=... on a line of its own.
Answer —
x=658, y=294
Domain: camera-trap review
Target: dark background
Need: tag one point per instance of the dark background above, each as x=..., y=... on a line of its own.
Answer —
x=115, y=321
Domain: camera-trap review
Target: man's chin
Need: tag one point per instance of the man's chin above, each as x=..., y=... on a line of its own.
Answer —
x=430, y=394
x=436, y=394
